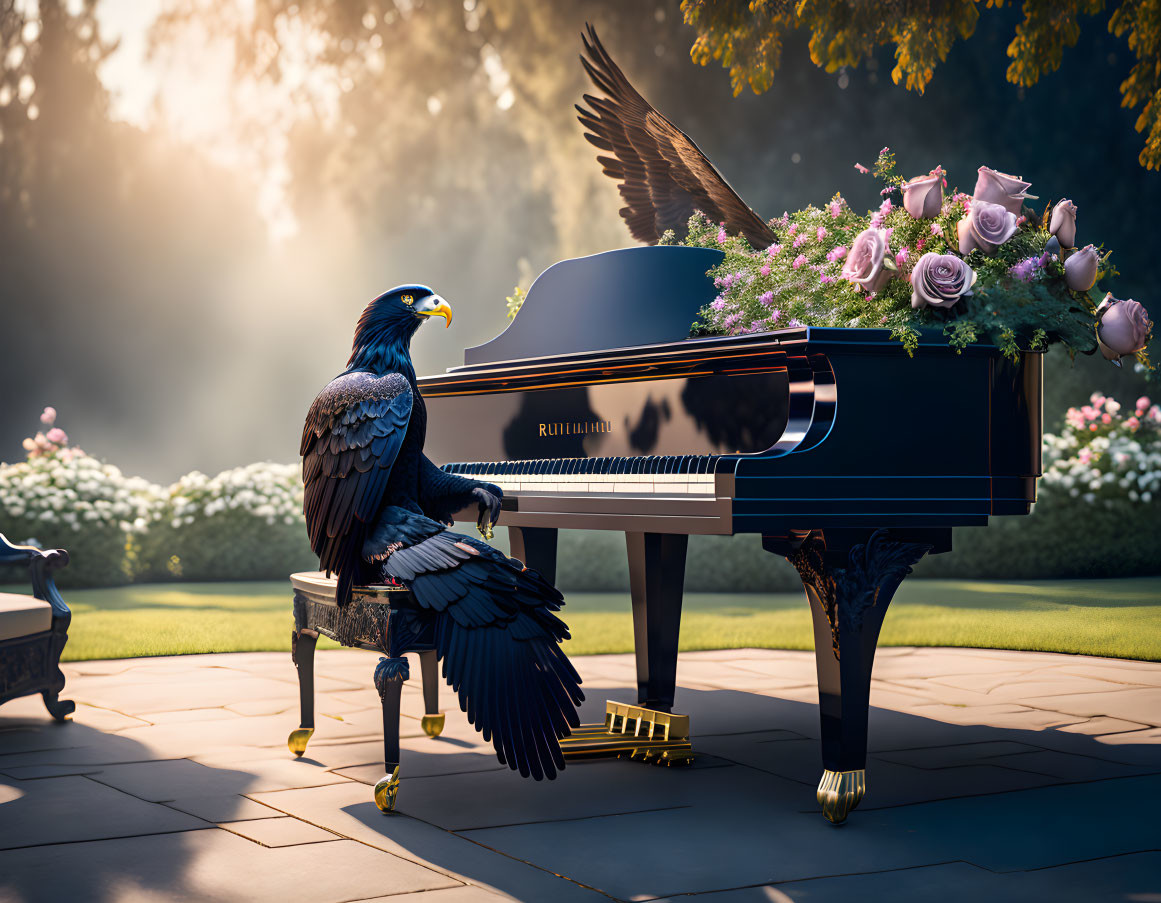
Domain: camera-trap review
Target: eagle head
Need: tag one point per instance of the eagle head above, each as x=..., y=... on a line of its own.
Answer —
x=391, y=319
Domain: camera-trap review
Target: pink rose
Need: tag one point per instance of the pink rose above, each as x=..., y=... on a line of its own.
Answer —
x=923, y=195
x=940, y=280
x=1123, y=327
x=1009, y=192
x=987, y=226
x=1080, y=270
x=49, y=416
x=868, y=264
x=57, y=436
x=1063, y=223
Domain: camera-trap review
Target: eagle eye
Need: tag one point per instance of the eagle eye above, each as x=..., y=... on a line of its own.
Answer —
x=408, y=299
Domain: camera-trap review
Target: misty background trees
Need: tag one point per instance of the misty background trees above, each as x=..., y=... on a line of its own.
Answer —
x=180, y=299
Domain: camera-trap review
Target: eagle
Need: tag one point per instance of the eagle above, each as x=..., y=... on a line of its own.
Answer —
x=378, y=510
x=662, y=175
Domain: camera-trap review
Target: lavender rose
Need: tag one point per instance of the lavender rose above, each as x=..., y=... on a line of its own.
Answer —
x=1009, y=192
x=1123, y=327
x=1080, y=269
x=923, y=195
x=987, y=226
x=940, y=280
x=868, y=263
x=1063, y=223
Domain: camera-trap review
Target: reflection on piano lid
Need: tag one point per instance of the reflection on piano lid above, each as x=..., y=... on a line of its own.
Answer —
x=594, y=409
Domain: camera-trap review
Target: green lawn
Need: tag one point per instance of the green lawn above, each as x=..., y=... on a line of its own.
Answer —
x=1119, y=618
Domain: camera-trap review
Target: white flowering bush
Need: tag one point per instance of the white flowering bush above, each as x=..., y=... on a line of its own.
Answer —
x=244, y=523
x=1106, y=453
x=61, y=497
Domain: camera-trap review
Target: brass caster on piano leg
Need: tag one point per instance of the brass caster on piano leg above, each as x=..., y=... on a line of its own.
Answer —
x=839, y=792
x=386, y=789
x=298, y=739
x=433, y=724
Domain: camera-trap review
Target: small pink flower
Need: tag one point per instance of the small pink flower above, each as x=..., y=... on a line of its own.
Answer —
x=799, y=261
x=821, y=233
x=48, y=418
x=773, y=250
x=721, y=236
x=824, y=278
x=901, y=257
x=793, y=228
x=936, y=229
x=765, y=271
x=861, y=168
x=1105, y=418
x=718, y=303
x=800, y=240
x=766, y=299
x=57, y=435
x=886, y=150
x=886, y=207
x=1085, y=455
x=1132, y=423
x=837, y=253
x=1143, y=401
x=835, y=209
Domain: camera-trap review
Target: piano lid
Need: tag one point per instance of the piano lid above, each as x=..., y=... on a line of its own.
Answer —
x=616, y=299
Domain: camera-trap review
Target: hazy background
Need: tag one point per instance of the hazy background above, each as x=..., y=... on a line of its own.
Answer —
x=193, y=213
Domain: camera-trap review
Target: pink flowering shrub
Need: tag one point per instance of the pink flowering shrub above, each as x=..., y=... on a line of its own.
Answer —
x=1106, y=452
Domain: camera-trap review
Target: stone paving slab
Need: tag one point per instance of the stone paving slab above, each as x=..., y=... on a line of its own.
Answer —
x=991, y=774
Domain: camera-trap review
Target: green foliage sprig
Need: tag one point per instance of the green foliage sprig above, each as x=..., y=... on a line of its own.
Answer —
x=1020, y=299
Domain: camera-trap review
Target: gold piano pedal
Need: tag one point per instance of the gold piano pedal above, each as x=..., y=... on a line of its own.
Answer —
x=633, y=732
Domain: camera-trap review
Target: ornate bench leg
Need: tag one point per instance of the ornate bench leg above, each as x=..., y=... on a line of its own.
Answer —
x=302, y=643
x=60, y=709
x=849, y=586
x=433, y=718
x=389, y=676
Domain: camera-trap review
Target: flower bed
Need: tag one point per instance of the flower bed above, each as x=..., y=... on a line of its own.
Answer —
x=983, y=267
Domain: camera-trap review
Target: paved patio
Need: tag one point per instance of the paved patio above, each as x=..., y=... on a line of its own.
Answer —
x=993, y=775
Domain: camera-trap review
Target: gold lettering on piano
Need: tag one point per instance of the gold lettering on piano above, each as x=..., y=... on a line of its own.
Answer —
x=576, y=428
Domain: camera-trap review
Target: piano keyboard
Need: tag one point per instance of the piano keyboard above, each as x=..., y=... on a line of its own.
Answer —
x=657, y=475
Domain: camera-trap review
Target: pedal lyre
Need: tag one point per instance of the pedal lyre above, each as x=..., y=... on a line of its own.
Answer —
x=633, y=732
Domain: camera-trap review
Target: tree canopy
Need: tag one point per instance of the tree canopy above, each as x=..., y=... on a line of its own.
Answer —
x=747, y=38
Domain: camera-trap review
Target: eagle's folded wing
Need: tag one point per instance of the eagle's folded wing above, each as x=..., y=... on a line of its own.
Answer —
x=352, y=435
x=663, y=176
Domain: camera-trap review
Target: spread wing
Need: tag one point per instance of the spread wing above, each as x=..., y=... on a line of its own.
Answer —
x=663, y=176
x=353, y=432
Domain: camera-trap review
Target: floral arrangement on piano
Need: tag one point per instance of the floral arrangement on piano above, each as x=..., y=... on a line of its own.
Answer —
x=984, y=267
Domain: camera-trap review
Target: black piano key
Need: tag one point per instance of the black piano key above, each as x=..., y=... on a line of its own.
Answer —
x=609, y=465
x=671, y=464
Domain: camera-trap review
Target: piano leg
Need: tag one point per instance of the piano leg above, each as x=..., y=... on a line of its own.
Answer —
x=849, y=584
x=656, y=580
x=536, y=547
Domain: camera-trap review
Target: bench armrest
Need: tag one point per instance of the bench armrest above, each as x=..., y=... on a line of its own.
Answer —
x=40, y=564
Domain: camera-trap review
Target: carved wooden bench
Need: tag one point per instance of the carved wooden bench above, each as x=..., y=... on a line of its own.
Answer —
x=370, y=621
x=34, y=630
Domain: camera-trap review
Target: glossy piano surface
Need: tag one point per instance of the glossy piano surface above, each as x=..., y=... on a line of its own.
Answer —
x=799, y=428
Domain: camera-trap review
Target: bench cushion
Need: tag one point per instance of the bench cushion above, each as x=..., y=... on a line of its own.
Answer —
x=23, y=615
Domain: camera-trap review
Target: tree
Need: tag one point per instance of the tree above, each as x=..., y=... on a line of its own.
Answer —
x=747, y=37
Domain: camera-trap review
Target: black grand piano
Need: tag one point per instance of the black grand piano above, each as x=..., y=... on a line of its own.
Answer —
x=849, y=457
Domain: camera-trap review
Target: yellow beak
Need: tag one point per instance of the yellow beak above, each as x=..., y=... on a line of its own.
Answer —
x=435, y=306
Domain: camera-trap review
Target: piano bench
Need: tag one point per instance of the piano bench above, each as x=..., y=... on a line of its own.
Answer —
x=369, y=621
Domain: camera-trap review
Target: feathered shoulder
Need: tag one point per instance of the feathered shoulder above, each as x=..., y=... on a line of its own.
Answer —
x=349, y=398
